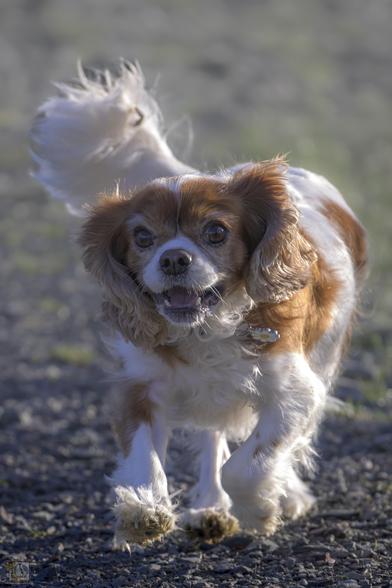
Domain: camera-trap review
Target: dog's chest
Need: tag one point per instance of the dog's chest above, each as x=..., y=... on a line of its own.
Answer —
x=213, y=382
x=204, y=383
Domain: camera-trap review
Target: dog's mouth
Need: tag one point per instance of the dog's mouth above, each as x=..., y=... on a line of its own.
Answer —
x=186, y=305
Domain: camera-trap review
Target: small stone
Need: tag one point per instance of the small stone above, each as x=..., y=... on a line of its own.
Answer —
x=256, y=554
x=329, y=559
x=245, y=570
x=253, y=546
x=43, y=514
x=339, y=552
x=241, y=542
x=6, y=516
x=224, y=568
x=191, y=558
x=270, y=545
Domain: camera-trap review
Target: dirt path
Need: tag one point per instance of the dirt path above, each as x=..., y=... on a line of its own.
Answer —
x=56, y=447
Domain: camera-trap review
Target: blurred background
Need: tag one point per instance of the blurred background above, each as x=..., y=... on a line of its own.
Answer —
x=311, y=79
x=255, y=77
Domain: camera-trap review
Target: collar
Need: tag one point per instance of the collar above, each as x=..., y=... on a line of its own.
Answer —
x=249, y=336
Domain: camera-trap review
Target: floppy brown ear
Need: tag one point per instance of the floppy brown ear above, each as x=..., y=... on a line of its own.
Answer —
x=105, y=241
x=280, y=256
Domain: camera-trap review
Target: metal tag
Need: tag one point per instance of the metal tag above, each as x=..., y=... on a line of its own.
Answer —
x=263, y=335
x=257, y=335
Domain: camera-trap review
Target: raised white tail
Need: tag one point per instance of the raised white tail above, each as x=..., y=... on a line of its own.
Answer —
x=98, y=133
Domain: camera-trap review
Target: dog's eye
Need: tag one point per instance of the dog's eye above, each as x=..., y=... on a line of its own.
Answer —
x=215, y=233
x=143, y=237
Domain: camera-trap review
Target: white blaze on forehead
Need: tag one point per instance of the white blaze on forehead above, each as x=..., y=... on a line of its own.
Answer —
x=174, y=184
x=201, y=274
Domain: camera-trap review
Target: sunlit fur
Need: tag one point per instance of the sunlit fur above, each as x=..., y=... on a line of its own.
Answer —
x=293, y=259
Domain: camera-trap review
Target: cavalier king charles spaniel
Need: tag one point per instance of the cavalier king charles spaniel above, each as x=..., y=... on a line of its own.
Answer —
x=230, y=294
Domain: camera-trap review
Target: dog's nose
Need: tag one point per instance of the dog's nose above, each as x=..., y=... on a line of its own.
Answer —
x=175, y=261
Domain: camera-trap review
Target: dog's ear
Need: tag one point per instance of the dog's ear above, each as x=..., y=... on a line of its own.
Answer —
x=280, y=256
x=105, y=240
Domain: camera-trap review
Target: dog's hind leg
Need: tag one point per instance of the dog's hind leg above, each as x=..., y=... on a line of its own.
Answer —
x=208, y=519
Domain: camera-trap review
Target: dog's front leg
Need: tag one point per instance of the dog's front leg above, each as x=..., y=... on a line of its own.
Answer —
x=142, y=505
x=260, y=476
x=208, y=519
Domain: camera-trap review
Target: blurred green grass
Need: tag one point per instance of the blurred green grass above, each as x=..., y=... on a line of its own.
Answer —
x=76, y=354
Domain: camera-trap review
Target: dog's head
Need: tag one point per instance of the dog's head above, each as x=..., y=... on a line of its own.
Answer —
x=181, y=250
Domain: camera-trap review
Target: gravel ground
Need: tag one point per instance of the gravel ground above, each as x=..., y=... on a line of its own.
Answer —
x=320, y=70
x=56, y=447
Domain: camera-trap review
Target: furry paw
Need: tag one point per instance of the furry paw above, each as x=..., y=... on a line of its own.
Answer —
x=297, y=501
x=209, y=524
x=140, y=518
x=263, y=516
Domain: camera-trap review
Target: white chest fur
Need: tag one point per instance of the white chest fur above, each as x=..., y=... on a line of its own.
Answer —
x=212, y=387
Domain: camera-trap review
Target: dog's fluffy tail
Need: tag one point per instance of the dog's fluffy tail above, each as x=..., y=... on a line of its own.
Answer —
x=99, y=132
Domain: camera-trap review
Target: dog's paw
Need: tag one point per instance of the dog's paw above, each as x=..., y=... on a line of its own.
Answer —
x=210, y=525
x=263, y=516
x=140, y=518
x=297, y=502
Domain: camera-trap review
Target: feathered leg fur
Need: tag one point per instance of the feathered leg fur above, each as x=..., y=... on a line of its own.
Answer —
x=142, y=506
x=260, y=476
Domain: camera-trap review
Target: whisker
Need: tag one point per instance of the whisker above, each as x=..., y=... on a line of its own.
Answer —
x=218, y=295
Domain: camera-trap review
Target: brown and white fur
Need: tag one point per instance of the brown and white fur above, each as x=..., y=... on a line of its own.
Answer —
x=189, y=262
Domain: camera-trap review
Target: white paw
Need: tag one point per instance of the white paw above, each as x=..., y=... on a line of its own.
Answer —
x=297, y=502
x=255, y=505
x=140, y=517
x=209, y=524
x=263, y=517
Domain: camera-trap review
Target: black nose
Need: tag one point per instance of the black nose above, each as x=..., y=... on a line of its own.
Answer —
x=175, y=261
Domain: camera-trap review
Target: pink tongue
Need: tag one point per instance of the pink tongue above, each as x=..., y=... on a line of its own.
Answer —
x=179, y=297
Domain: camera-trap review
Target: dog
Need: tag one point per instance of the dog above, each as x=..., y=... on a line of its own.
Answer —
x=231, y=296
